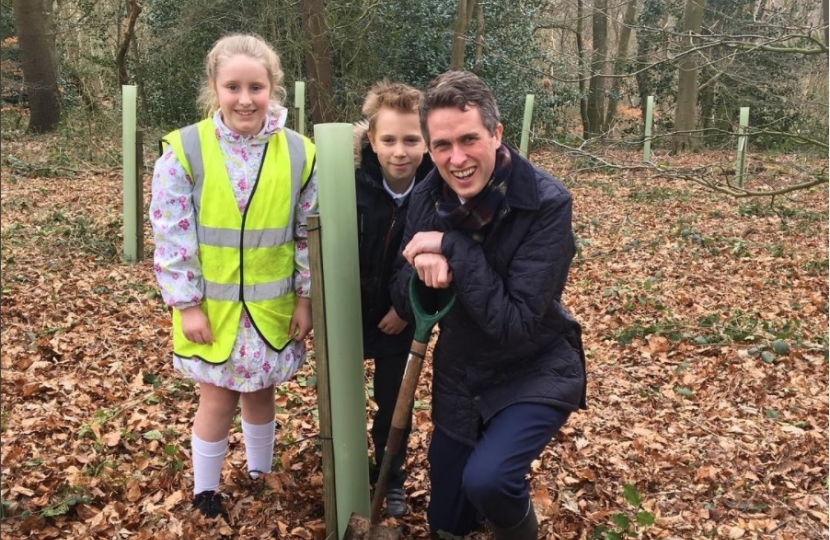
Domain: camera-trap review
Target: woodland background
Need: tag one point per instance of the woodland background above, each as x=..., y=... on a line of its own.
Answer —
x=704, y=302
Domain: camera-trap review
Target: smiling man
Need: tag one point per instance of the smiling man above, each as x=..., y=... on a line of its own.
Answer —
x=508, y=367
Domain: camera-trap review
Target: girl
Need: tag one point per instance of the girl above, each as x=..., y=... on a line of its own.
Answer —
x=229, y=204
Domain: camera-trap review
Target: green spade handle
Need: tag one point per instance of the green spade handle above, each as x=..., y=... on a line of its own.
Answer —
x=419, y=294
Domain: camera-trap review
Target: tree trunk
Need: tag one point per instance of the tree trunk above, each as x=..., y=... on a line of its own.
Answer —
x=459, y=41
x=318, y=61
x=134, y=10
x=36, y=37
x=619, y=63
x=707, y=106
x=650, y=18
x=686, y=138
x=139, y=82
x=583, y=72
x=825, y=17
x=479, y=33
x=596, y=86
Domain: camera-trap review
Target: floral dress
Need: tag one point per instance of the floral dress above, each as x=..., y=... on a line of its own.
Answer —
x=252, y=365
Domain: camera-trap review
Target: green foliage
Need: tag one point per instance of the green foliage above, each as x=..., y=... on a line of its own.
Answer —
x=367, y=43
x=7, y=26
x=181, y=34
x=816, y=267
x=668, y=328
x=683, y=391
x=654, y=77
x=70, y=497
x=622, y=525
x=513, y=61
x=174, y=458
x=770, y=353
x=760, y=80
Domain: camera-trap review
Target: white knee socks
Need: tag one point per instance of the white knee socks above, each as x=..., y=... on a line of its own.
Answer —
x=259, y=447
x=209, y=456
x=207, y=463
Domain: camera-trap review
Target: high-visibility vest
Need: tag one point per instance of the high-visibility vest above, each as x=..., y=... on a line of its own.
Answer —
x=247, y=260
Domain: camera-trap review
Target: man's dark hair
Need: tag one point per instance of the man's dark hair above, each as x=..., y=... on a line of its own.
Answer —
x=460, y=89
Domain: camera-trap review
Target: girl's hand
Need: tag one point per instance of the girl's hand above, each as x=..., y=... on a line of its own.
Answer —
x=301, y=320
x=196, y=326
x=391, y=323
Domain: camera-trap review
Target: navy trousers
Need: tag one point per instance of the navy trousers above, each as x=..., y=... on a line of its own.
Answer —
x=471, y=484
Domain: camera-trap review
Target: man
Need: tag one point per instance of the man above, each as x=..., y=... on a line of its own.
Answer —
x=508, y=367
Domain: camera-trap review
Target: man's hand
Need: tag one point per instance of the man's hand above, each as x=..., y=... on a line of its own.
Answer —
x=391, y=323
x=433, y=270
x=423, y=242
x=195, y=325
x=301, y=320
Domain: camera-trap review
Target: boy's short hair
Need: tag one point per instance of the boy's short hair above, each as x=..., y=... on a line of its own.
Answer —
x=396, y=96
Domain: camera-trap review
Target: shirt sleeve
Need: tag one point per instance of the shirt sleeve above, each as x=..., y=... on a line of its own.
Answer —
x=306, y=206
x=176, y=256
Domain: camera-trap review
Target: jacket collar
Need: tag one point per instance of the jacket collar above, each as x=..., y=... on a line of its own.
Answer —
x=522, y=191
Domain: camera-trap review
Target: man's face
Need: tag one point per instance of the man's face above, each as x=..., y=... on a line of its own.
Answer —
x=462, y=149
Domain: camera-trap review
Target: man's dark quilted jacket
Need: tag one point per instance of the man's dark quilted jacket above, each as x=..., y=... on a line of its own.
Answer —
x=507, y=339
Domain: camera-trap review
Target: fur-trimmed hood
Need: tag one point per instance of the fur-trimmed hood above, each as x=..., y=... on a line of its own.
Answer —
x=360, y=139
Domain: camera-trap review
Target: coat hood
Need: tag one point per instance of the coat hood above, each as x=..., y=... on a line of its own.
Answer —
x=360, y=140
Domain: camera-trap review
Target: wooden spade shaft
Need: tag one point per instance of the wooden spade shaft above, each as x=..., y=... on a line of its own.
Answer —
x=359, y=527
x=400, y=418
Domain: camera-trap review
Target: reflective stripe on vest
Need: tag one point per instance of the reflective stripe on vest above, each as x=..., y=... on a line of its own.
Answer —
x=245, y=258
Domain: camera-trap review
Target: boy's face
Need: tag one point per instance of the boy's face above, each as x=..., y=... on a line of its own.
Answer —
x=462, y=149
x=396, y=139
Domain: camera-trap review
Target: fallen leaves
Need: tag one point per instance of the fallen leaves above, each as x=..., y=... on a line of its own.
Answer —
x=673, y=286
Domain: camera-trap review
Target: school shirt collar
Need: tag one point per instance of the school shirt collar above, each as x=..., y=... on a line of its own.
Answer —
x=399, y=198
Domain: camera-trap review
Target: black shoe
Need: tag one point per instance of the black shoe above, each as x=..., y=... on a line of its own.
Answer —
x=395, y=502
x=209, y=503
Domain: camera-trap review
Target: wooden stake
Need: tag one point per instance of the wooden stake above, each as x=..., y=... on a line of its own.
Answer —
x=321, y=360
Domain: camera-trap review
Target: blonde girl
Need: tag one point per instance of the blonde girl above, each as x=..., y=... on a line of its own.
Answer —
x=230, y=197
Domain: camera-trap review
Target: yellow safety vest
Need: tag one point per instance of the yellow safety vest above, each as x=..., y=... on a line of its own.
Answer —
x=247, y=260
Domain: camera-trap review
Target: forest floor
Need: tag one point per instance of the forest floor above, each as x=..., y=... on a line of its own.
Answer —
x=705, y=323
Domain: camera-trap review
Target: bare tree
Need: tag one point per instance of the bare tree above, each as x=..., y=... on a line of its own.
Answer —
x=596, y=86
x=619, y=63
x=318, y=61
x=685, y=116
x=479, y=34
x=36, y=37
x=459, y=41
x=580, y=55
x=134, y=10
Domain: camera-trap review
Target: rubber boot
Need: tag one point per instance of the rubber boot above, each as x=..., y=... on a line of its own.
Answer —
x=527, y=529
